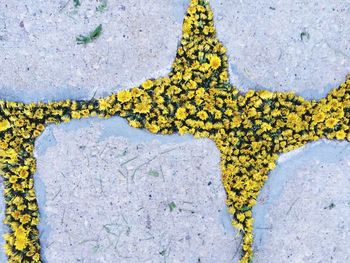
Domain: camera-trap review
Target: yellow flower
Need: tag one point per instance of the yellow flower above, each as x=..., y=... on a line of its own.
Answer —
x=20, y=238
x=40, y=127
x=36, y=257
x=204, y=67
x=264, y=94
x=124, y=96
x=21, y=243
x=103, y=104
x=251, y=112
x=331, y=122
x=186, y=28
x=203, y=115
x=135, y=124
x=215, y=62
x=237, y=225
x=319, y=117
x=32, y=206
x=143, y=107
x=25, y=218
x=136, y=92
x=147, y=84
x=3, y=145
x=8, y=249
x=76, y=115
x=192, y=84
x=181, y=113
x=293, y=118
x=266, y=127
x=23, y=173
x=240, y=217
x=229, y=112
x=13, y=179
x=4, y=125
x=35, y=221
x=152, y=127
x=224, y=76
x=236, y=121
x=183, y=130
x=340, y=135
x=334, y=104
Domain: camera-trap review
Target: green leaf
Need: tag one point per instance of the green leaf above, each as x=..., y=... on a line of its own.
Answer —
x=153, y=173
x=245, y=208
x=76, y=3
x=97, y=32
x=172, y=206
x=81, y=39
x=102, y=7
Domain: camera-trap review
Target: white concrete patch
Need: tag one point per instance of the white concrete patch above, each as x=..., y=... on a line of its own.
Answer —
x=108, y=199
x=40, y=59
x=303, y=212
x=279, y=45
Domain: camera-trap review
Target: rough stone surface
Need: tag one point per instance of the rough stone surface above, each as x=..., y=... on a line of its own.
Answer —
x=115, y=200
x=279, y=45
x=303, y=46
x=304, y=209
x=40, y=57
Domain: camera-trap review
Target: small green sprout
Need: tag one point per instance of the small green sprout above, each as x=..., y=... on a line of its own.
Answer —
x=245, y=208
x=102, y=7
x=172, y=206
x=304, y=36
x=153, y=173
x=92, y=36
x=76, y=3
x=331, y=206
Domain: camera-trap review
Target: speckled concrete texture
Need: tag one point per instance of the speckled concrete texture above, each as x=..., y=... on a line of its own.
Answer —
x=114, y=200
x=96, y=208
x=304, y=208
x=40, y=57
x=286, y=45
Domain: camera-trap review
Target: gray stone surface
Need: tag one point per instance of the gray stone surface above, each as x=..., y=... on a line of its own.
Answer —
x=302, y=46
x=109, y=198
x=280, y=45
x=304, y=208
x=41, y=60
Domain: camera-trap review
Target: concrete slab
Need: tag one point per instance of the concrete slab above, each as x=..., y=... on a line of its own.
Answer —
x=279, y=45
x=303, y=212
x=109, y=198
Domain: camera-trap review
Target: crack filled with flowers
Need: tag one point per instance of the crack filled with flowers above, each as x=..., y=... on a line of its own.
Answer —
x=196, y=98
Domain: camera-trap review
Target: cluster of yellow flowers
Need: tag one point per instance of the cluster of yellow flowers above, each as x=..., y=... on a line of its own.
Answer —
x=250, y=129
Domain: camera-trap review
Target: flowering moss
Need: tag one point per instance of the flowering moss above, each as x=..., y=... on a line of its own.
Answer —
x=196, y=98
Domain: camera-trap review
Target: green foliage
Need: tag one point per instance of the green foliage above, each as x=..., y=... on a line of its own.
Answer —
x=172, y=206
x=153, y=173
x=102, y=7
x=81, y=39
x=76, y=3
